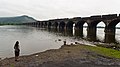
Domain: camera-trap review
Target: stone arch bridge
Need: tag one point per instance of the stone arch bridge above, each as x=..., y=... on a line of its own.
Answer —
x=110, y=21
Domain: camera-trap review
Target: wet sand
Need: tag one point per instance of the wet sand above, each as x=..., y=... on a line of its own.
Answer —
x=66, y=56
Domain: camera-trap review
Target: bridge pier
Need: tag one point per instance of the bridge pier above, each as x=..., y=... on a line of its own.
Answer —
x=69, y=25
x=44, y=25
x=79, y=28
x=55, y=30
x=79, y=31
x=91, y=33
x=49, y=24
x=41, y=24
x=69, y=32
x=38, y=23
x=55, y=25
x=110, y=35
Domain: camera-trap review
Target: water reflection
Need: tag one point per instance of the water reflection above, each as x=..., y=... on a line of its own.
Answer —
x=81, y=34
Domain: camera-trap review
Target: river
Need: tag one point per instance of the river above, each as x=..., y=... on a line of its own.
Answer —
x=33, y=40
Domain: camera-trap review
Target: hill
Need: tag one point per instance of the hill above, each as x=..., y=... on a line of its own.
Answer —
x=16, y=20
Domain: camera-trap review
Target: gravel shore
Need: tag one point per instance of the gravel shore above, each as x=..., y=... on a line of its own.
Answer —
x=66, y=56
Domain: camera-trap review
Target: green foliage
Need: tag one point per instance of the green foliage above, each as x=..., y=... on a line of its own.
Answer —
x=105, y=51
x=11, y=65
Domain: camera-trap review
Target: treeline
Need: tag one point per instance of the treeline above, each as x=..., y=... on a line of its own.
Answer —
x=10, y=23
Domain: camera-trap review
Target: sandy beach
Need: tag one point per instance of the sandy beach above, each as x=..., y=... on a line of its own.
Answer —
x=66, y=56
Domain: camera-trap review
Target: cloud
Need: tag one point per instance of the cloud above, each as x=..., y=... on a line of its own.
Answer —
x=46, y=9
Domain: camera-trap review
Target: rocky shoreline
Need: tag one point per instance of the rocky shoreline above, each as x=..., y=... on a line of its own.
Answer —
x=67, y=56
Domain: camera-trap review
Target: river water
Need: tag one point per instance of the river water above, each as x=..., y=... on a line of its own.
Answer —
x=33, y=40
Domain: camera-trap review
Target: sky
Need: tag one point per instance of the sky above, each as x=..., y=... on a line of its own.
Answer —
x=53, y=9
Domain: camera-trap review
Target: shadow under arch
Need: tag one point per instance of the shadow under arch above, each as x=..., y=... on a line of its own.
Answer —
x=55, y=25
x=69, y=28
x=79, y=29
x=69, y=25
x=45, y=24
x=41, y=24
x=110, y=31
x=61, y=25
x=100, y=31
x=49, y=24
x=61, y=28
x=92, y=30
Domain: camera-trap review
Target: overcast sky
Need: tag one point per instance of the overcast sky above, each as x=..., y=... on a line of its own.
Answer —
x=48, y=9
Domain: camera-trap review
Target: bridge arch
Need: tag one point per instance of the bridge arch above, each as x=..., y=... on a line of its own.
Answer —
x=69, y=24
x=79, y=24
x=100, y=31
x=61, y=25
x=113, y=23
x=49, y=24
x=91, y=30
x=38, y=23
x=85, y=25
x=110, y=31
x=79, y=28
x=55, y=24
x=41, y=24
x=45, y=23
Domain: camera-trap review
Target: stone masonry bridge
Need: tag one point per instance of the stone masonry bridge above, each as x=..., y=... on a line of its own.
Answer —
x=110, y=22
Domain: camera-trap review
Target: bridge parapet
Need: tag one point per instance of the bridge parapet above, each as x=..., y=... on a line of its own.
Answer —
x=76, y=19
x=62, y=20
x=97, y=17
x=92, y=19
x=85, y=18
x=110, y=16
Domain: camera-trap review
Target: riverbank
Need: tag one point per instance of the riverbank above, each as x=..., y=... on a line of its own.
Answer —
x=68, y=56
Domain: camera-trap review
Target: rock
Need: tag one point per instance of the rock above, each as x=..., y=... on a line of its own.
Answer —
x=68, y=51
x=36, y=55
x=64, y=42
x=114, y=47
x=76, y=42
x=71, y=44
x=55, y=40
x=59, y=39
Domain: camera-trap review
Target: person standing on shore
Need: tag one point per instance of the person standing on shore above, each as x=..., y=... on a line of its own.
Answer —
x=17, y=50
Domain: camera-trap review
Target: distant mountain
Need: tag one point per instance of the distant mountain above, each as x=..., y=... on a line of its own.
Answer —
x=16, y=20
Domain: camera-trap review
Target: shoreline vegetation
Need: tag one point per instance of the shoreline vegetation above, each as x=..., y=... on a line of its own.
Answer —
x=75, y=55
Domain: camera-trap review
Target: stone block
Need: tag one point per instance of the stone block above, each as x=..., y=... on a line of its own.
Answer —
x=110, y=16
